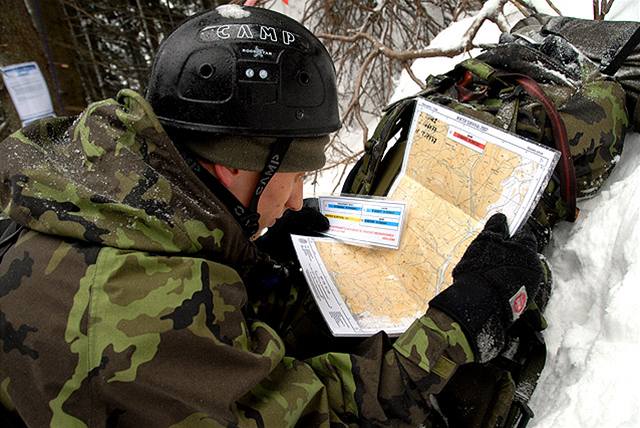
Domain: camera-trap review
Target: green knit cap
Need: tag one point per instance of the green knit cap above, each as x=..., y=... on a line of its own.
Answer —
x=251, y=153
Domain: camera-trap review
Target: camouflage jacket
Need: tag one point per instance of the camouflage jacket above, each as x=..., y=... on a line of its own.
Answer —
x=126, y=301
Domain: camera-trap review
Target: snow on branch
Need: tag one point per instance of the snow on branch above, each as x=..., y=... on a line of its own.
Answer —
x=492, y=10
x=374, y=51
x=371, y=43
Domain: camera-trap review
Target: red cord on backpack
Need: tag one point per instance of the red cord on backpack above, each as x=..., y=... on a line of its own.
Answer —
x=568, y=177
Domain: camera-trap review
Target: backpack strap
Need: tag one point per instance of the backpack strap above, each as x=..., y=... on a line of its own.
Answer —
x=526, y=381
x=560, y=138
x=397, y=117
x=568, y=173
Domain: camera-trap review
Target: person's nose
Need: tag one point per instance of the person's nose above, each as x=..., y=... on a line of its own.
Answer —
x=294, y=203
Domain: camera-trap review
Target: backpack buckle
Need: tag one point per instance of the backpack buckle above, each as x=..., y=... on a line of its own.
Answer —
x=522, y=413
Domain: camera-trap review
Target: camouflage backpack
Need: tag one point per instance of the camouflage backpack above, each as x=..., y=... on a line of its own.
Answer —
x=551, y=82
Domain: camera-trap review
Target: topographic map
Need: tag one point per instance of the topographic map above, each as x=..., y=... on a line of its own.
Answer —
x=456, y=173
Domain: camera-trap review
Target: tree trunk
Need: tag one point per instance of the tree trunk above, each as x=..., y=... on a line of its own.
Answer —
x=19, y=42
x=51, y=22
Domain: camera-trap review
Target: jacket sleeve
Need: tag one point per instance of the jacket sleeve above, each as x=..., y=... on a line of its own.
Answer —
x=186, y=353
x=372, y=380
x=392, y=385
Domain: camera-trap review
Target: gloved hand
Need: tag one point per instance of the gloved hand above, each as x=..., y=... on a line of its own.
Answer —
x=308, y=221
x=492, y=285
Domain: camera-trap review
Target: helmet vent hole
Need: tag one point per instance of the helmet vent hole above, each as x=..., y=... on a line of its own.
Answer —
x=304, y=78
x=206, y=70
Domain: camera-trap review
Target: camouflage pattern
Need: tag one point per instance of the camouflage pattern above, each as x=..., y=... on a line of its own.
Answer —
x=133, y=299
x=591, y=105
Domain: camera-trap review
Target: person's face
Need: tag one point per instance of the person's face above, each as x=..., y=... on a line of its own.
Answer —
x=283, y=192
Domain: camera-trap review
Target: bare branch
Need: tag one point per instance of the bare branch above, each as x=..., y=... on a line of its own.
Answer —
x=371, y=46
x=339, y=180
x=604, y=8
x=523, y=8
x=491, y=9
x=553, y=6
x=407, y=55
x=601, y=8
x=501, y=22
x=144, y=25
x=411, y=74
x=355, y=100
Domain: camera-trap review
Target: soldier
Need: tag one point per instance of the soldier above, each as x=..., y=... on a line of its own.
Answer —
x=135, y=294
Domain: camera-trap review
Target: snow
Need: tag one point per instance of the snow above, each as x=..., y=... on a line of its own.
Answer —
x=593, y=339
x=591, y=378
x=232, y=11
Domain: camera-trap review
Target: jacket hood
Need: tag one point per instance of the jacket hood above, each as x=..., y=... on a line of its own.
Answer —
x=113, y=177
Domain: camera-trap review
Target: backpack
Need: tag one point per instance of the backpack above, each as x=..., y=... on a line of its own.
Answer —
x=548, y=80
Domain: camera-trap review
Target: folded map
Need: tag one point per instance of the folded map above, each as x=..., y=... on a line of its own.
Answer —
x=456, y=173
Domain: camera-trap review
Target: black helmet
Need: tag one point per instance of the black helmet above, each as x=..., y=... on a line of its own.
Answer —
x=244, y=71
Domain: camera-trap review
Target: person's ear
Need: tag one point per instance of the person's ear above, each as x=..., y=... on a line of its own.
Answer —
x=239, y=182
x=227, y=175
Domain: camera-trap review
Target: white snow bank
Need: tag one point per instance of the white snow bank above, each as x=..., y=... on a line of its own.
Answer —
x=591, y=378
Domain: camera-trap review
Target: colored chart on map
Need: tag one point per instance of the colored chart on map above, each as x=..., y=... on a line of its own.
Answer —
x=456, y=173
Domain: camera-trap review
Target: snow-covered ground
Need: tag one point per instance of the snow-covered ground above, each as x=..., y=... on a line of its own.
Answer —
x=591, y=378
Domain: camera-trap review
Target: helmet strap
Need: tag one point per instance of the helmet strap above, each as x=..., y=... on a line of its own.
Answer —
x=276, y=155
x=247, y=218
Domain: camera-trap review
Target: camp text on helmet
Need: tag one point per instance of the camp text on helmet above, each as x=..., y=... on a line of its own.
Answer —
x=252, y=32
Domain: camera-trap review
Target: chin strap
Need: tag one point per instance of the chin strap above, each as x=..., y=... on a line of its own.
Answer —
x=276, y=155
x=247, y=217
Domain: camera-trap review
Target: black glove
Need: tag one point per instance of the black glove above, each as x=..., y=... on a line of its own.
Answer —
x=308, y=221
x=492, y=285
